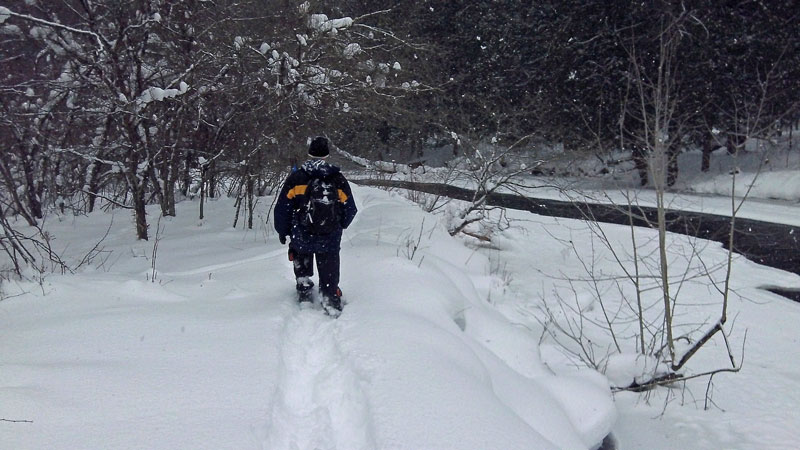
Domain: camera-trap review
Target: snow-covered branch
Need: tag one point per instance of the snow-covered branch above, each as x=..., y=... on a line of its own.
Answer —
x=101, y=42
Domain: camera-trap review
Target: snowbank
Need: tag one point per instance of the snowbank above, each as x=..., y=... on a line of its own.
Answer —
x=782, y=185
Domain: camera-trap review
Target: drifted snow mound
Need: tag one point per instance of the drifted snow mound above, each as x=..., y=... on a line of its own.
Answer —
x=419, y=360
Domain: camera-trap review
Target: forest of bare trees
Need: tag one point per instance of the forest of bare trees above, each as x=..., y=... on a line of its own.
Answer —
x=126, y=104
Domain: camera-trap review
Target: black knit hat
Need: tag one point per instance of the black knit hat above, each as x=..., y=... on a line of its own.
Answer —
x=318, y=147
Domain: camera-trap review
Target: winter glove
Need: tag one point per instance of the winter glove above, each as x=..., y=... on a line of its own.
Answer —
x=282, y=238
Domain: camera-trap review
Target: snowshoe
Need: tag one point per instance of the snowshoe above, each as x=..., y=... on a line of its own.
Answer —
x=305, y=293
x=305, y=297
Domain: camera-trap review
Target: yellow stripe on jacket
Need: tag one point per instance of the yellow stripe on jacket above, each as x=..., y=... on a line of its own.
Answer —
x=300, y=189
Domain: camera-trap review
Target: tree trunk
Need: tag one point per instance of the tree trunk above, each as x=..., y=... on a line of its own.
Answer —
x=708, y=147
x=140, y=212
x=168, y=182
x=136, y=179
x=158, y=185
x=203, y=169
x=137, y=185
x=212, y=180
x=34, y=203
x=169, y=176
x=92, y=185
x=250, y=201
x=168, y=205
x=186, y=173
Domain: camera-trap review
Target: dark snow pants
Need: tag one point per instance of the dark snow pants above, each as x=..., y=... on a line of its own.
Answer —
x=327, y=266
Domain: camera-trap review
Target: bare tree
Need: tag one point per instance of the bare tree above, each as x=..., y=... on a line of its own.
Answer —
x=652, y=315
x=489, y=168
x=145, y=89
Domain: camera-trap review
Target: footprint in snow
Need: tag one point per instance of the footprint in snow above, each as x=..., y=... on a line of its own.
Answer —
x=318, y=404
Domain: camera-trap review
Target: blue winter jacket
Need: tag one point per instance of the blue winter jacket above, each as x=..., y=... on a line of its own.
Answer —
x=290, y=206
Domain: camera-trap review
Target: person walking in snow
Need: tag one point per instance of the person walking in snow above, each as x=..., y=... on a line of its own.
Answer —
x=313, y=207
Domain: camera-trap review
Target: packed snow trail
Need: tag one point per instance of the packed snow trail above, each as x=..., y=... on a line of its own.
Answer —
x=318, y=403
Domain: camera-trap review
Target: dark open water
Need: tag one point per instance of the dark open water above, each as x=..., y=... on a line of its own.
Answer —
x=770, y=244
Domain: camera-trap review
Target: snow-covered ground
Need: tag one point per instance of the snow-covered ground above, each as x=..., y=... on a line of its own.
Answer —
x=752, y=409
x=444, y=344
x=216, y=354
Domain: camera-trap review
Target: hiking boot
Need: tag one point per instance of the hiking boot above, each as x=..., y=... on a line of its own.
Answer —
x=332, y=308
x=332, y=304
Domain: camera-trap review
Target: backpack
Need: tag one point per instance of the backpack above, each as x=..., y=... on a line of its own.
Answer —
x=322, y=206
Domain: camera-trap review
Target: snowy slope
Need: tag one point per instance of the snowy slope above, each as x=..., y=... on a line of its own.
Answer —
x=752, y=409
x=215, y=353
x=541, y=261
